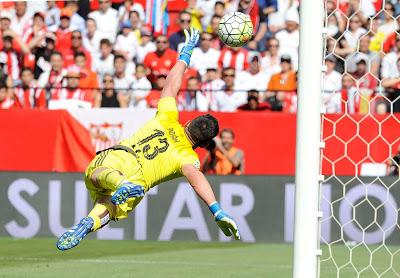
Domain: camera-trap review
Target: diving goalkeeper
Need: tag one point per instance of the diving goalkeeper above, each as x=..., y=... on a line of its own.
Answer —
x=118, y=177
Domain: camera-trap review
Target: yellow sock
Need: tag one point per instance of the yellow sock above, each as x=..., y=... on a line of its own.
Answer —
x=100, y=216
x=110, y=179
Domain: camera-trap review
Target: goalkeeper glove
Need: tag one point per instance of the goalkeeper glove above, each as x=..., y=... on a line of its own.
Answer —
x=190, y=43
x=224, y=221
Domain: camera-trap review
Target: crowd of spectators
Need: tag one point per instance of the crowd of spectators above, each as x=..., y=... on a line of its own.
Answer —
x=59, y=55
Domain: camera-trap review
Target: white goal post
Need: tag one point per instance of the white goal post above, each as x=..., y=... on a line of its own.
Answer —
x=308, y=139
x=347, y=220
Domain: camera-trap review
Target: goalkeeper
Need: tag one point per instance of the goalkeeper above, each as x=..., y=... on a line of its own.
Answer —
x=118, y=177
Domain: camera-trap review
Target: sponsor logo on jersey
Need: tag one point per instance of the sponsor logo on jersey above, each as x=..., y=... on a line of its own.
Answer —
x=173, y=135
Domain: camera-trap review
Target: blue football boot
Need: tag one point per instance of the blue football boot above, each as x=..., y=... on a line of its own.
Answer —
x=126, y=191
x=72, y=237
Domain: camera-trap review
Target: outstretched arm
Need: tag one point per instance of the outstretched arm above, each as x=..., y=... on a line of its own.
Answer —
x=199, y=183
x=175, y=76
x=174, y=80
x=203, y=189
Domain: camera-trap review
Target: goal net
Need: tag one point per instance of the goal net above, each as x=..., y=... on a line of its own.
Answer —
x=360, y=192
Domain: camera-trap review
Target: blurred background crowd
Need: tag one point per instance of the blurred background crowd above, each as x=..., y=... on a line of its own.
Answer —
x=115, y=53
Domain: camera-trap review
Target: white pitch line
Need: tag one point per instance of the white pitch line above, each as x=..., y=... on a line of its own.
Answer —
x=22, y=259
x=115, y=261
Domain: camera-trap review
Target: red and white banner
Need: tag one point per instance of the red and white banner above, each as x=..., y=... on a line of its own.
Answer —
x=108, y=126
x=40, y=140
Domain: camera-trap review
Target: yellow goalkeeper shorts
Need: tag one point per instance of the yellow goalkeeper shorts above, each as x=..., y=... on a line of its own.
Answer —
x=123, y=162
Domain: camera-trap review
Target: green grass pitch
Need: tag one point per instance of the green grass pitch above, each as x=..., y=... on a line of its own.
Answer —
x=95, y=258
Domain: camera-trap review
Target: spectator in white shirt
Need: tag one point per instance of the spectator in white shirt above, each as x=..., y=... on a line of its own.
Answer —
x=91, y=40
x=389, y=69
x=106, y=20
x=36, y=6
x=52, y=15
x=212, y=82
x=105, y=62
x=211, y=85
x=204, y=56
x=332, y=81
x=123, y=80
x=140, y=88
x=146, y=46
x=389, y=24
x=207, y=6
x=355, y=31
x=364, y=7
x=192, y=98
x=276, y=21
x=228, y=100
x=77, y=22
x=271, y=62
x=253, y=78
x=372, y=58
x=136, y=23
x=127, y=43
x=390, y=74
x=289, y=37
x=21, y=18
x=187, y=99
x=129, y=6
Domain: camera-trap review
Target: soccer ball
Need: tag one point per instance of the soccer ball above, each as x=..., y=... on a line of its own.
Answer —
x=235, y=29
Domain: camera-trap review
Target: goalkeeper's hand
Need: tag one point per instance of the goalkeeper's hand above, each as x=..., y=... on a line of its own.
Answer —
x=224, y=221
x=190, y=43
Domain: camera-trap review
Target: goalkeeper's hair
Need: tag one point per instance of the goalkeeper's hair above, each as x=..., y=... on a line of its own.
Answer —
x=203, y=129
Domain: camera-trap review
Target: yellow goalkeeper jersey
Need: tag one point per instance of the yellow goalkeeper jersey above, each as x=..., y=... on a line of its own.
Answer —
x=161, y=145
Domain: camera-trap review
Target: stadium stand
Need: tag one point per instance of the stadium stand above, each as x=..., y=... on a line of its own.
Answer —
x=49, y=40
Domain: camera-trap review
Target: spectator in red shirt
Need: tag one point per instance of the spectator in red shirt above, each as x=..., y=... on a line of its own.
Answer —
x=12, y=63
x=28, y=95
x=53, y=78
x=5, y=30
x=350, y=97
x=63, y=32
x=154, y=96
x=35, y=38
x=160, y=61
x=76, y=46
x=189, y=73
x=5, y=22
x=365, y=79
x=233, y=57
x=89, y=79
x=257, y=17
x=34, y=35
x=253, y=104
x=390, y=41
x=71, y=95
x=6, y=100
